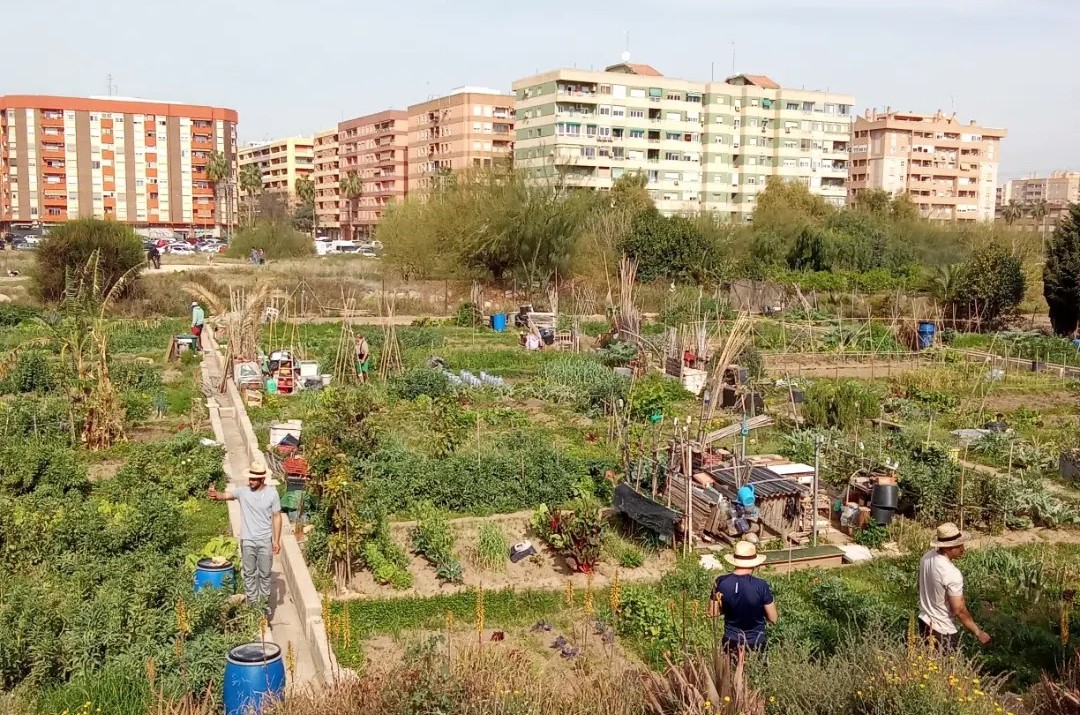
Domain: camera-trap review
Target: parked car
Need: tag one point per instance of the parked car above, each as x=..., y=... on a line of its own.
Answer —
x=181, y=249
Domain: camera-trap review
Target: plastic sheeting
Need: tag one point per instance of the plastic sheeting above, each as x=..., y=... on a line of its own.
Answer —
x=644, y=511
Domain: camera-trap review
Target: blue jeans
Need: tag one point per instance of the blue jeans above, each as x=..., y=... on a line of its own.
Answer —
x=256, y=558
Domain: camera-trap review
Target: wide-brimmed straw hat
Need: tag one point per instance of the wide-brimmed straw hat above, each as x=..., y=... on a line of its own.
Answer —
x=745, y=556
x=948, y=535
x=257, y=470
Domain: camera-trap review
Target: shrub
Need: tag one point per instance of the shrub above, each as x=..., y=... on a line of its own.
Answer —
x=655, y=394
x=421, y=381
x=839, y=403
x=13, y=314
x=32, y=373
x=277, y=239
x=136, y=375
x=69, y=246
x=181, y=465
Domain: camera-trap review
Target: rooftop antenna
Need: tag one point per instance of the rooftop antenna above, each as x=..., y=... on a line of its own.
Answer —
x=733, y=58
x=626, y=52
x=110, y=88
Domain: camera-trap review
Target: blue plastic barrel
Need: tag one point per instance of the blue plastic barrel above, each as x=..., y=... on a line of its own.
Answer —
x=926, y=334
x=254, y=678
x=210, y=575
x=498, y=322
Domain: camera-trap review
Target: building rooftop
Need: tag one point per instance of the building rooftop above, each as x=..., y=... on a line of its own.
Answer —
x=632, y=68
x=468, y=89
x=757, y=80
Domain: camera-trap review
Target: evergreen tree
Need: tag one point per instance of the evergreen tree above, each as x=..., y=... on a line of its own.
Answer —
x=1061, y=274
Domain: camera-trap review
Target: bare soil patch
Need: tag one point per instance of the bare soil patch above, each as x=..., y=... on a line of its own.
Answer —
x=546, y=570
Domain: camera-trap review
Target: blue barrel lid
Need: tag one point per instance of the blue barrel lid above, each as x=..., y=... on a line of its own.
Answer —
x=745, y=495
x=252, y=653
x=208, y=564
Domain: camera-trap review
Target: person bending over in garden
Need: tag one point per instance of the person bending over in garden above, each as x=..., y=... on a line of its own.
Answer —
x=260, y=534
x=745, y=600
x=941, y=591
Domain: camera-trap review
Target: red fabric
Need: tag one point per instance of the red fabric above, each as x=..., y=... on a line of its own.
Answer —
x=196, y=330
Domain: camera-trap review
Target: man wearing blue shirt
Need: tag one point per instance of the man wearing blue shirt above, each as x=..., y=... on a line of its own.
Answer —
x=745, y=600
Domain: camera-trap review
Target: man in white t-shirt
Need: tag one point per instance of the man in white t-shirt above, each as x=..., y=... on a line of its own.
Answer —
x=941, y=591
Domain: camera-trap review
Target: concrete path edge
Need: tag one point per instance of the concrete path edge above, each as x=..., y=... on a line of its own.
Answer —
x=305, y=595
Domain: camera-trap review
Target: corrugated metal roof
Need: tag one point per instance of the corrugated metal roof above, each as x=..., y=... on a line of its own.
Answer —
x=766, y=484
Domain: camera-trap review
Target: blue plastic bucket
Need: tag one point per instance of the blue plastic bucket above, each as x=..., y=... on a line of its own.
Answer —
x=254, y=677
x=926, y=334
x=498, y=322
x=210, y=575
x=745, y=495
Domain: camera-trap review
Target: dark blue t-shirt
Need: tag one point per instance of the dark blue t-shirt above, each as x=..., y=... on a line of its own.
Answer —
x=744, y=600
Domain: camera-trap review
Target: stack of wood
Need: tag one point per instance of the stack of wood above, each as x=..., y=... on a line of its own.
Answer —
x=710, y=511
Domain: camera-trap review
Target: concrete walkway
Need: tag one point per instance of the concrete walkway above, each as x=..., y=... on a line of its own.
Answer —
x=286, y=624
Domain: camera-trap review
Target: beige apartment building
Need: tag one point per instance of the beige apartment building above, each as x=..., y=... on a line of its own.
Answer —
x=703, y=146
x=281, y=162
x=949, y=169
x=471, y=127
x=374, y=148
x=136, y=161
x=327, y=180
x=1055, y=191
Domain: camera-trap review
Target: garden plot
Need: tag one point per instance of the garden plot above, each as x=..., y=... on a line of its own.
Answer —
x=96, y=535
x=547, y=569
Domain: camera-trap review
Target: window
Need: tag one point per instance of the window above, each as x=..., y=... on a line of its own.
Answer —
x=637, y=133
x=605, y=89
x=618, y=111
x=674, y=96
x=674, y=116
x=95, y=165
x=637, y=92
x=604, y=110
x=719, y=119
x=590, y=130
x=673, y=136
x=637, y=113
x=672, y=156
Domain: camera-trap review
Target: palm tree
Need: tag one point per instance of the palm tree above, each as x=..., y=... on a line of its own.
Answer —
x=1037, y=210
x=351, y=187
x=305, y=192
x=218, y=170
x=945, y=284
x=251, y=184
x=1013, y=211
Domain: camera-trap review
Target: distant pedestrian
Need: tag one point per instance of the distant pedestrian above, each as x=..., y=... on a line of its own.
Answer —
x=262, y=257
x=745, y=601
x=260, y=534
x=254, y=256
x=941, y=591
x=153, y=256
x=198, y=319
x=363, y=358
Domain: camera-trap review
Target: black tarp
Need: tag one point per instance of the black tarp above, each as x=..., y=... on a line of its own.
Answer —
x=644, y=511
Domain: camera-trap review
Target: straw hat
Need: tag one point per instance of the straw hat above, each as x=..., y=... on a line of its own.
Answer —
x=745, y=556
x=948, y=535
x=256, y=470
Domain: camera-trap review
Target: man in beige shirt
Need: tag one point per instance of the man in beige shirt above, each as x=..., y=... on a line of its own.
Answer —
x=941, y=591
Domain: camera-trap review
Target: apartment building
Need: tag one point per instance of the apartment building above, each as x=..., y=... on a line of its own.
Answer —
x=136, y=161
x=949, y=169
x=281, y=162
x=472, y=127
x=1055, y=192
x=327, y=180
x=702, y=145
x=373, y=148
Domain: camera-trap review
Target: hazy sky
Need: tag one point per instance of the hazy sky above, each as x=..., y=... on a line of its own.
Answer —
x=293, y=67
